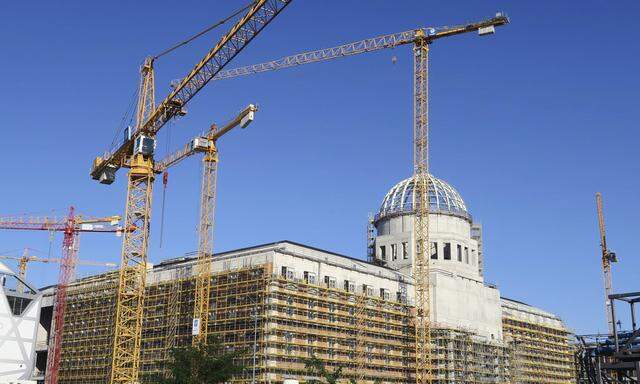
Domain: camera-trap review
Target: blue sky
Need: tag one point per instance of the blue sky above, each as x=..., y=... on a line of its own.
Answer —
x=527, y=124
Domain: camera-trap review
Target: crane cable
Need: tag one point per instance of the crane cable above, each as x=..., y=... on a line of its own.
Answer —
x=165, y=180
x=165, y=175
x=128, y=115
x=127, y=118
x=204, y=31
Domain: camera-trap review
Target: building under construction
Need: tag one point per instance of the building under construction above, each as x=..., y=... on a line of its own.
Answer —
x=284, y=302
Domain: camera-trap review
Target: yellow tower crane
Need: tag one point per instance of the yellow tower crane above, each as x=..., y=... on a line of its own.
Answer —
x=207, y=145
x=28, y=258
x=608, y=257
x=136, y=153
x=421, y=39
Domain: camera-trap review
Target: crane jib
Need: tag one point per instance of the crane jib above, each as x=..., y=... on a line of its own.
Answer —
x=377, y=43
x=232, y=43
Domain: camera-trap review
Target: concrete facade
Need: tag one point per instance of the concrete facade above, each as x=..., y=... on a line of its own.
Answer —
x=459, y=296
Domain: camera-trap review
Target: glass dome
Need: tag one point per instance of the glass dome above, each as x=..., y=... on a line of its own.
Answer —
x=443, y=198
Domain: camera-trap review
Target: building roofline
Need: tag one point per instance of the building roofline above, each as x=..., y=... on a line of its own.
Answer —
x=192, y=255
x=540, y=311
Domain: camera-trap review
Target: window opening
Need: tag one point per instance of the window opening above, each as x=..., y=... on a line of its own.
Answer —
x=434, y=251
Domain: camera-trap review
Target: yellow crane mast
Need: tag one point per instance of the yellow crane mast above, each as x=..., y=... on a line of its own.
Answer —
x=421, y=38
x=421, y=210
x=208, y=146
x=608, y=257
x=208, y=191
x=136, y=153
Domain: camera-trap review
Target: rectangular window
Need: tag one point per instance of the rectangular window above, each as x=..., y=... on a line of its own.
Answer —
x=288, y=273
x=331, y=343
x=384, y=294
x=405, y=250
x=459, y=252
x=330, y=281
x=447, y=251
x=394, y=252
x=434, y=251
x=383, y=252
x=349, y=286
x=309, y=277
x=466, y=255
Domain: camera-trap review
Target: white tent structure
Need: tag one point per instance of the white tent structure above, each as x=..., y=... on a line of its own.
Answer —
x=19, y=314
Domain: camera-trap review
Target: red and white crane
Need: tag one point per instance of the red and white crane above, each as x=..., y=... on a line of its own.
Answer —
x=71, y=226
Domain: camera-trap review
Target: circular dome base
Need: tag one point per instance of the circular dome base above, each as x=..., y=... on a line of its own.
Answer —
x=443, y=199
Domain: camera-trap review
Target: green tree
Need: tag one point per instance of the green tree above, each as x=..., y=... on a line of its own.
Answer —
x=315, y=368
x=202, y=364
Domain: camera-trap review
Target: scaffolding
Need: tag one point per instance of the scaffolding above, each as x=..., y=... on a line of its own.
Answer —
x=460, y=357
x=236, y=299
x=88, y=333
x=544, y=354
x=369, y=337
x=280, y=321
x=166, y=322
